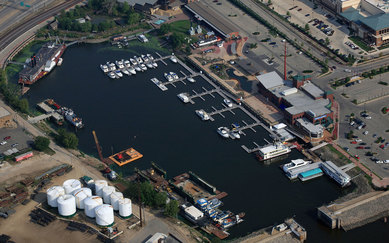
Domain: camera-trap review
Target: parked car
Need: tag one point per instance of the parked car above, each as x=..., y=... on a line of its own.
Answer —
x=362, y=143
x=365, y=132
x=307, y=15
x=14, y=145
x=3, y=143
x=347, y=149
x=7, y=137
x=360, y=147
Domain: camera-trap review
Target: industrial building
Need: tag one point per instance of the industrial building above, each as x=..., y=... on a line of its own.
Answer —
x=141, y=5
x=305, y=105
x=212, y=19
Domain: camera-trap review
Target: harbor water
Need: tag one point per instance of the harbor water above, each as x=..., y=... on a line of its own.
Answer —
x=134, y=112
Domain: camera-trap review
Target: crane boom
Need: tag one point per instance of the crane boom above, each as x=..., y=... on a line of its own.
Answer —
x=98, y=146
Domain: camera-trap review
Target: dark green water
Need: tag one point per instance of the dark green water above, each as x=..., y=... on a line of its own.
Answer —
x=132, y=111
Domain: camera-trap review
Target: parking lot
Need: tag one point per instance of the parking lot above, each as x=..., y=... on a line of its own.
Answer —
x=17, y=139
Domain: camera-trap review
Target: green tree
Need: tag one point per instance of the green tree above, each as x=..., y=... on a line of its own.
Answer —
x=160, y=200
x=287, y=13
x=125, y=8
x=327, y=41
x=22, y=105
x=306, y=28
x=133, y=18
x=164, y=29
x=177, y=40
x=41, y=143
x=67, y=139
x=171, y=209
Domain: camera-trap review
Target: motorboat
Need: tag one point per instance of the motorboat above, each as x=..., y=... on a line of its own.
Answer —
x=143, y=67
x=184, y=97
x=235, y=134
x=150, y=57
x=227, y=102
x=104, y=68
x=203, y=115
x=133, y=61
x=111, y=75
x=118, y=73
x=174, y=75
x=295, y=164
x=131, y=70
x=138, y=59
x=154, y=64
x=149, y=65
x=223, y=131
x=111, y=66
x=127, y=63
x=119, y=64
x=137, y=68
x=125, y=71
x=145, y=58
x=190, y=79
x=168, y=77
x=173, y=59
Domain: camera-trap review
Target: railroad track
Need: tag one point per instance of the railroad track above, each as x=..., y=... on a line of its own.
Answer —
x=10, y=35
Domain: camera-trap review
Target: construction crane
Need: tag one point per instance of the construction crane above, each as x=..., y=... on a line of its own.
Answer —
x=98, y=146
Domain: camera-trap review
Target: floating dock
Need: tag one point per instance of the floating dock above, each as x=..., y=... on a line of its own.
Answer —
x=310, y=174
x=309, y=170
x=125, y=157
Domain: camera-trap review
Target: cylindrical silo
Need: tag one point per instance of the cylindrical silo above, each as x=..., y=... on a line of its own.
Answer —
x=53, y=193
x=125, y=208
x=71, y=185
x=90, y=204
x=80, y=195
x=114, y=198
x=66, y=205
x=104, y=215
x=107, y=190
x=99, y=185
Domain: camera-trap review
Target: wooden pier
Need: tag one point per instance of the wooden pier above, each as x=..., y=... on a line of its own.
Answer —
x=220, y=112
x=255, y=149
x=200, y=95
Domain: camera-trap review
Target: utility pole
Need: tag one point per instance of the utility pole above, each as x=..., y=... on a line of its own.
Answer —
x=140, y=204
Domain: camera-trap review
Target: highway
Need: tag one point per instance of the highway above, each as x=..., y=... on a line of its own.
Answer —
x=9, y=36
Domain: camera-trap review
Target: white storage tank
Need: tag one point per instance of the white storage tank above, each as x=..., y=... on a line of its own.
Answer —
x=125, y=208
x=99, y=185
x=80, y=195
x=104, y=215
x=107, y=190
x=66, y=205
x=114, y=198
x=71, y=185
x=53, y=193
x=90, y=204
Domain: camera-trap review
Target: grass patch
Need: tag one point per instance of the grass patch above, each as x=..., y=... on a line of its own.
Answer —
x=339, y=154
x=181, y=26
x=359, y=42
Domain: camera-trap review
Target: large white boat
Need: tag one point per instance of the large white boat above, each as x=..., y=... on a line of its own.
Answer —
x=150, y=57
x=184, y=97
x=131, y=70
x=125, y=71
x=133, y=61
x=203, y=115
x=168, y=77
x=295, y=164
x=227, y=102
x=127, y=63
x=119, y=64
x=137, y=68
x=72, y=118
x=190, y=79
x=224, y=132
x=111, y=66
x=138, y=59
x=118, y=73
x=149, y=65
x=173, y=59
x=104, y=68
x=143, y=67
x=174, y=75
x=145, y=58
x=154, y=64
x=159, y=84
x=235, y=134
x=111, y=75
x=273, y=150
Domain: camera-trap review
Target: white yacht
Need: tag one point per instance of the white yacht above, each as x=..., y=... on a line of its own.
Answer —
x=184, y=97
x=173, y=59
x=159, y=84
x=111, y=66
x=168, y=77
x=104, y=68
x=125, y=71
x=235, y=134
x=150, y=57
x=137, y=68
x=133, y=61
x=138, y=59
x=131, y=70
x=295, y=164
x=154, y=64
x=111, y=75
x=174, y=75
x=118, y=73
x=119, y=64
x=203, y=115
x=227, y=102
x=273, y=150
x=127, y=63
x=223, y=131
x=149, y=65
x=190, y=79
x=143, y=67
x=145, y=58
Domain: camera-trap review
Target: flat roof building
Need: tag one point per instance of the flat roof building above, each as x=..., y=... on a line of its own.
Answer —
x=212, y=19
x=193, y=213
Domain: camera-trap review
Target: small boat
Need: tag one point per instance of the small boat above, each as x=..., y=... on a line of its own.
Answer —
x=131, y=70
x=145, y=58
x=125, y=71
x=223, y=131
x=149, y=65
x=235, y=135
x=295, y=164
x=133, y=61
x=119, y=64
x=168, y=77
x=203, y=115
x=118, y=73
x=184, y=97
x=104, y=68
x=137, y=68
x=174, y=75
x=111, y=66
x=138, y=59
x=127, y=63
x=154, y=64
x=60, y=60
x=143, y=67
x=111, y=75
x=150, y=57
x=227, y=102
x=173, y=59
x=190, y=79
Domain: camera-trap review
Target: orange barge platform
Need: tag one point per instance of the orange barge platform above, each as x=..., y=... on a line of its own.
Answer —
x=125, y=157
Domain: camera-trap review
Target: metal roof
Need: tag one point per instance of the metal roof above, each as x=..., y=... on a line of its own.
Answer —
x=211, y=18
x=313, y=90
x=270, y=80
x=352, y=14
x=377, y=22
x=194, y=212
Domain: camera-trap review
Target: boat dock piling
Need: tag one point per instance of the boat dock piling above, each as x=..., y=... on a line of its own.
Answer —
x=257, y=148
x=161, y=58
x=200, y=95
